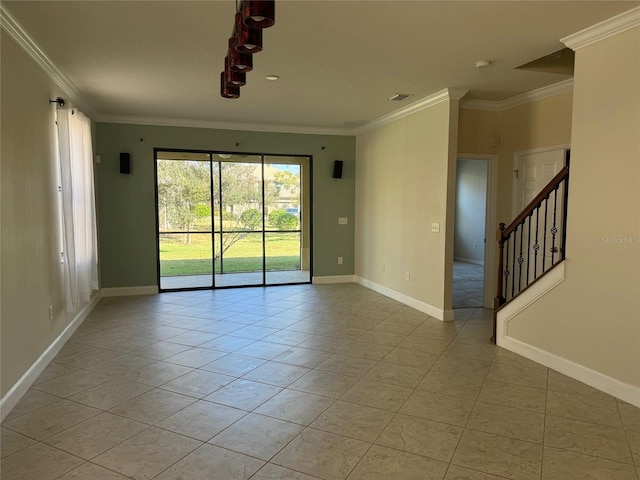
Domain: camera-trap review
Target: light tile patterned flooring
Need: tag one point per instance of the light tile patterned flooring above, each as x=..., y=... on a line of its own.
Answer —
x=468, y=285
x=305, y=382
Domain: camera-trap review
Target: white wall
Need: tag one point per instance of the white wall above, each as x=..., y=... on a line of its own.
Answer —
x=593, y=317
x=405, y=174
x=471, y=196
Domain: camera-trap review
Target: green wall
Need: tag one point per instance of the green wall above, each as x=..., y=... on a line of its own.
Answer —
x=126, y=203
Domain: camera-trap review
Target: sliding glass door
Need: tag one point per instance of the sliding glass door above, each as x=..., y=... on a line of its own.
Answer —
x=229, y=220
x=185, y=249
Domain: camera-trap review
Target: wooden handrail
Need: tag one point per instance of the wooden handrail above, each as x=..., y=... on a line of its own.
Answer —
x=537, y=200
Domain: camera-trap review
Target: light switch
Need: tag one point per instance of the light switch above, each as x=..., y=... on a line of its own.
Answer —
x=342, y=220
x=435, y=227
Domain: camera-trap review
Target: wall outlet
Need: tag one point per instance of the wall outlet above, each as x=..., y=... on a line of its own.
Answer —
x=407, y=275
x=340, y=260
x=342, y=221
x=50, y=313
x=384, y=267
x=435, y=227
x=474, y=244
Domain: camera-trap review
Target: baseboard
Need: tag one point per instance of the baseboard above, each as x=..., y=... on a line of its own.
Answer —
x=468, y=260
x=16, y=392
x=327, y=279
x=129, y=291
x=435, y=312
x=600, y=381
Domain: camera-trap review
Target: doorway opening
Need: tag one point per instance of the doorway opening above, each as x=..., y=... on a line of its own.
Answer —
x=232, y=220
x=470, y=232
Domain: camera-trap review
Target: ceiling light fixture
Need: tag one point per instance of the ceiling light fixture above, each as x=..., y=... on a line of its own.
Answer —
x=259, y=13
x=272, y=78
x=250, y=18
x=226, y=91
x=248, y=40
x=233, y=78
x=239, y=62
x=482, y=63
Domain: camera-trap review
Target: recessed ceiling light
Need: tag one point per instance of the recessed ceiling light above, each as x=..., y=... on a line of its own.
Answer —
x=272, y=78
x=397, y=97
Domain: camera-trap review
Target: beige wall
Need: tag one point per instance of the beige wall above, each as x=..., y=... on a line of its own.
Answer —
x=402, y=175
x=30, y=236
x=593, y=317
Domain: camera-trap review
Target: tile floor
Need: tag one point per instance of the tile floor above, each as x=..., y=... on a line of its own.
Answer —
x=468, y=285
x=306, y=382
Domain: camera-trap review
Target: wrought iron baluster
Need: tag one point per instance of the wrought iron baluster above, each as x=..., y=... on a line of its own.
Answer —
x=513, y=264
x=563, y=248
x=520, y=258
x=529, y=247
x=544, y=238
x=506, y=270
x=536, y=246
x=554, y=230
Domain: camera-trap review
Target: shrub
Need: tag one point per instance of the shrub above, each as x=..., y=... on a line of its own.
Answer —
x=202, y=210
x=230, y=216
x=251, y=218
x=283, y=220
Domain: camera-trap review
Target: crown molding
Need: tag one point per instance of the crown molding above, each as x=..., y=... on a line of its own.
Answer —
x=247, y=127
x=431, y=100
x=473, y=104
x=537, y=94
x=441, y=96
x=9, y=23
x=600, y=31
x=522, y=99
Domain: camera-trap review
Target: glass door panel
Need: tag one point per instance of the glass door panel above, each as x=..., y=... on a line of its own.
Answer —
x=287, y=232
x=184, y=220
x=242, y=262
x=282, y=258
x=240, y=190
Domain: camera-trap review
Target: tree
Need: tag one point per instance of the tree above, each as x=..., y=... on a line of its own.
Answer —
x=182, y=186
x=242, y=191
x=286, y=180
x=184, y=191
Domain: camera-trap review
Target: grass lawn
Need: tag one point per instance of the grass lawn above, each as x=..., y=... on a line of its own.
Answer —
x=177, y=257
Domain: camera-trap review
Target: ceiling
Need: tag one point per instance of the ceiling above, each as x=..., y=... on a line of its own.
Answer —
x=338, y=61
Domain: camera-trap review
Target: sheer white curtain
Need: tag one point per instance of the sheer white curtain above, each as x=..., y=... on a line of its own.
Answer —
x=80, y=253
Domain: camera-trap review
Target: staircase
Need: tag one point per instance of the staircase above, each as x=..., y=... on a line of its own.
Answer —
x=533, y=244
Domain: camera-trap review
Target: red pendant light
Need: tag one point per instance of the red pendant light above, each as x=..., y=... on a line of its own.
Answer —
x=248, y=40
x=227, y=91
x=250, y=18
x=232, y=78
x=239, y=62
x=259, y=13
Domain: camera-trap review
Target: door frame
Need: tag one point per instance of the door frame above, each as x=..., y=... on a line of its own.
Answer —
x=490, y=219
x=211, y=152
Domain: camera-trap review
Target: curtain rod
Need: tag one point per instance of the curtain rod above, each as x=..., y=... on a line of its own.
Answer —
x=59, y=100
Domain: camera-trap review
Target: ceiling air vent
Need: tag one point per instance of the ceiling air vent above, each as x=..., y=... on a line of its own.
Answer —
x=398, y=97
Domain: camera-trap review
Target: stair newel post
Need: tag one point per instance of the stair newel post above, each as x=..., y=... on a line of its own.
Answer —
x=499, y=299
